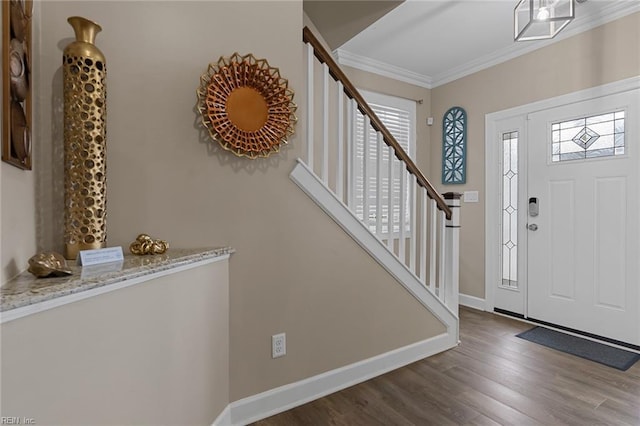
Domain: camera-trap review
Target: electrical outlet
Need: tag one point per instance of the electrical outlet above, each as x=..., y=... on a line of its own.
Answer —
x=278, y=345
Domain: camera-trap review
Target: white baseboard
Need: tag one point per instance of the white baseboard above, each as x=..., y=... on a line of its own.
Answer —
x=472, y=302
x=274, y=401
x=224, y=419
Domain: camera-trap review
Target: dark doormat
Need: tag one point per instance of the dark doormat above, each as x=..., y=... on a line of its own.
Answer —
x=587, y=349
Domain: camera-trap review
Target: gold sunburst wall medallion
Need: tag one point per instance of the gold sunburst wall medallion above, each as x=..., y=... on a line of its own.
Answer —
x=246, y=106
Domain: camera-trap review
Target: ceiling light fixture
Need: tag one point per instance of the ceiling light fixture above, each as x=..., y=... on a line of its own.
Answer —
x=541, y=19
x=543, y=14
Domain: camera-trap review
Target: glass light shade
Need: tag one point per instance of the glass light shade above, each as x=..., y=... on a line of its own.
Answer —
x=541, y=19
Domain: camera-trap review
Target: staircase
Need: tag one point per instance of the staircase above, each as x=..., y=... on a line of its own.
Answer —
x=395, y=214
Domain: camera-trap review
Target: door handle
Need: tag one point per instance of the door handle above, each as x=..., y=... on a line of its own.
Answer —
x=532, y=227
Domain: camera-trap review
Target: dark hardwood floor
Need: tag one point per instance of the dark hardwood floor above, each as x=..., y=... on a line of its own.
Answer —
x=491, y=378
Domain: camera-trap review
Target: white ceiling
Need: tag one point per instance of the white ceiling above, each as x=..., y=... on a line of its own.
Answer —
x=432, y=42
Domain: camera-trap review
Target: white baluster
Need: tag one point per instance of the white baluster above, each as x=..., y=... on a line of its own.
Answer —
x=340, y=156
x=403, y=211
x=442, y=251
x=412, y=221
x=423, y=235
x=433, y=240
x=365, y=173
x=390, y=201
x=379, y=146
x=325, y=125
x=351, y=137
x=310, y=85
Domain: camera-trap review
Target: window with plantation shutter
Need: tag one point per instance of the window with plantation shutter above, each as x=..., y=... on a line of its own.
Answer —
x=399, y=116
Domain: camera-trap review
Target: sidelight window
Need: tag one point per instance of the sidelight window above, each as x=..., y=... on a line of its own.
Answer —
x=510, y=209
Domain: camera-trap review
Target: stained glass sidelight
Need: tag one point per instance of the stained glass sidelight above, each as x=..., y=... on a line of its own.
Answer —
x=510, y=209
x=588, y=137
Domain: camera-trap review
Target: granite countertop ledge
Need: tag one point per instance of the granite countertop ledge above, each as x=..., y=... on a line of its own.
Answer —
x=26, y=289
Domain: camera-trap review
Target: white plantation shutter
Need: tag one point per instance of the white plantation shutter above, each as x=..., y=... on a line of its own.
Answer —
x=399, y=116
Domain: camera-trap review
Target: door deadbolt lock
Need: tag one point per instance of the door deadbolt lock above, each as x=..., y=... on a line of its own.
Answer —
x=533, y=207
x=532, y=227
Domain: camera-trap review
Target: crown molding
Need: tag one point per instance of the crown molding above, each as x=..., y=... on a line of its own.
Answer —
x=381, y=68
x=582, y=23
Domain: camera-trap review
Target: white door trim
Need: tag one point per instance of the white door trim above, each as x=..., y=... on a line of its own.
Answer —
x=493, y=174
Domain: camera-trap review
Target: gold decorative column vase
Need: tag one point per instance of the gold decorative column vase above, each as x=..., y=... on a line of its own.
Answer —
x=84, y=72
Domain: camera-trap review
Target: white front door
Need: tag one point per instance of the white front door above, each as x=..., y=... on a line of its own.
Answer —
x=582, y=242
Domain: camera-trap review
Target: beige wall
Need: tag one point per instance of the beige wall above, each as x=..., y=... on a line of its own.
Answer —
x=18, y=219
x=17, y=211
x=155, y=353
x=294, y=271
x=602, y=55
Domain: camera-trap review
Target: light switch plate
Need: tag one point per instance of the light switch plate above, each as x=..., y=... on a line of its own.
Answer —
x=470, y=196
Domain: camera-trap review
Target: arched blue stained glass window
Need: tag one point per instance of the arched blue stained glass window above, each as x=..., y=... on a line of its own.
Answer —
x=454, y=146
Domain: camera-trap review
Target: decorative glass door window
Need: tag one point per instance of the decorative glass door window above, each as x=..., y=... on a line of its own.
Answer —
x=510, y=209
x=588, y=137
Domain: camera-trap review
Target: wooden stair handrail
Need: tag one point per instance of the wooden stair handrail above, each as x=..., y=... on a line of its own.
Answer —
x=349, y=89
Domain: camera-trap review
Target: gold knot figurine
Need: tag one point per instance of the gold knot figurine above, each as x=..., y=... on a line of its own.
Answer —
x=48, y=263
x=144, y=244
